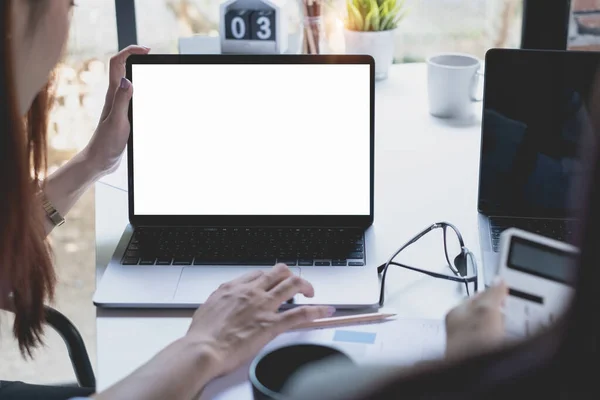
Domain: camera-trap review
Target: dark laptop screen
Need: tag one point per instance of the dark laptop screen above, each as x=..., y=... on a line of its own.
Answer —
x=536, y=122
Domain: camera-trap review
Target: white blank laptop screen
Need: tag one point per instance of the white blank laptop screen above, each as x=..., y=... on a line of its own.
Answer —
x=248, y=139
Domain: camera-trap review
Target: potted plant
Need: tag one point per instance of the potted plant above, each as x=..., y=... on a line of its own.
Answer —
x=369, y=29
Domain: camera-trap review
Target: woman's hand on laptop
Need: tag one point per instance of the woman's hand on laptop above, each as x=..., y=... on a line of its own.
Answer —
x=106, y=147
x=242, y=316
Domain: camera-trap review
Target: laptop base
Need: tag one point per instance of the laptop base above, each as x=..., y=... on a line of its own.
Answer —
x=173, y=286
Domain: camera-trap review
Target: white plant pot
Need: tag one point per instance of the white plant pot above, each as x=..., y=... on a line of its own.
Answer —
x=379, y=45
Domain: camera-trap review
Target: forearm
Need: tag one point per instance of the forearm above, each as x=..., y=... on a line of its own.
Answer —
x=180, y=371
x=65, y=186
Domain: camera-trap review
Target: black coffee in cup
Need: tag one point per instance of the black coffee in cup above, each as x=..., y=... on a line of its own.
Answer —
x=270, y=372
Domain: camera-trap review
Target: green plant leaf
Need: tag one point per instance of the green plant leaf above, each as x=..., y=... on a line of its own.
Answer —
x=355, y=16
x=383, y=10
x=375, y=19
x=396, y=11
x=374, y=15
x=367, y=25
x=387, y=21
x=358, y=4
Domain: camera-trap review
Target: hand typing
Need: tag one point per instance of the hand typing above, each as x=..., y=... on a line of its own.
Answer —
x=242, y=316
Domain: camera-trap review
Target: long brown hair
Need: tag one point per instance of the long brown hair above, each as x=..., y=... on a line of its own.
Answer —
x=26, y=269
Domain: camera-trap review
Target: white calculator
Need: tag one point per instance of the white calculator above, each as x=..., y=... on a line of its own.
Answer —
x=539, y=273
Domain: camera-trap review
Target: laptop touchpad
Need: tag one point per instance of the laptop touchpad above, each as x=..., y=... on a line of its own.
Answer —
x=197, y=283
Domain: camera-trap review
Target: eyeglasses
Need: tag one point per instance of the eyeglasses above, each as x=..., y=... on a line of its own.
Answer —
x=464, y=267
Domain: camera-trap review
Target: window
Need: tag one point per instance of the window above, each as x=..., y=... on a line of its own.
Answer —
x=471, y=26
x=468, y=26
x=584, y=26
x=160, y=23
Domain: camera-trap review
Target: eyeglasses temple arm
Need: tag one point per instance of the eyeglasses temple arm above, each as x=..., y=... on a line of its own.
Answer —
x=381, y=268
x=433, y=274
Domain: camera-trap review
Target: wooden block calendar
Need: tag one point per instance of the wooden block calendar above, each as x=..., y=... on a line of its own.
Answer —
x=253, y=27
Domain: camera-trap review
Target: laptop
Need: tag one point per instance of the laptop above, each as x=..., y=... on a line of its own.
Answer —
x=237, y=163
x=535, y=128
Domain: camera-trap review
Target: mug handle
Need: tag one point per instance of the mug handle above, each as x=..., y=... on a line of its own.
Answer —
x=477, y=81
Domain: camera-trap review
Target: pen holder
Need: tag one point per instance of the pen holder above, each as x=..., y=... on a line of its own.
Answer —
x=313, y=35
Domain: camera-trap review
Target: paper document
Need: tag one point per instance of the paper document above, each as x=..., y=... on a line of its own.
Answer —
x=400, y=341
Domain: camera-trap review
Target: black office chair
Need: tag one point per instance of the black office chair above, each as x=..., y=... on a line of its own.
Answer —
x=75, y=345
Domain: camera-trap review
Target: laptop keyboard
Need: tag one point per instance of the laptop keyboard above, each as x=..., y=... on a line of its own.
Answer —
x=246, y=246
x=553, y=228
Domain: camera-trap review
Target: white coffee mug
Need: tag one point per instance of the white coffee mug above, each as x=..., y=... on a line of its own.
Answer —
x=453, y=83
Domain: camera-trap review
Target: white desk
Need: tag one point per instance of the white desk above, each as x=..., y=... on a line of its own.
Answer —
x=426, y=171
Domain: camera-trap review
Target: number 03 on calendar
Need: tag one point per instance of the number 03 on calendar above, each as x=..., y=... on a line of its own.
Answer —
x=253, y=27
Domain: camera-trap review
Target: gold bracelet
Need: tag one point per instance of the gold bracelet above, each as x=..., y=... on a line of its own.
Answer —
x=51, y=212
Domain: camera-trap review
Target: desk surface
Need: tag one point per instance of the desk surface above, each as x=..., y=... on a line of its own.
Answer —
x=426, y=170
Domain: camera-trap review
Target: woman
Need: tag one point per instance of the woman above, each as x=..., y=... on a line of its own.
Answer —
x=235, y=322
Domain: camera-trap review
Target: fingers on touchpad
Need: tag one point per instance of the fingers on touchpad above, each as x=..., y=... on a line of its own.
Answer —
x=197, y=283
